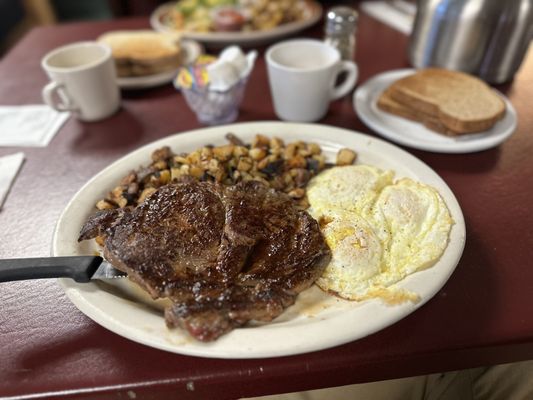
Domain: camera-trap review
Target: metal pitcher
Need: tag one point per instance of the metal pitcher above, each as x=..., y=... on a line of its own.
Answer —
x=488, y=38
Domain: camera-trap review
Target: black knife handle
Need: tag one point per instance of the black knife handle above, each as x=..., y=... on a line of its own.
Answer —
x=79, y=268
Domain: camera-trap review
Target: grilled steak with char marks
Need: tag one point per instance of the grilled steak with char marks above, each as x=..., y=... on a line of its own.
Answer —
x=224, y=255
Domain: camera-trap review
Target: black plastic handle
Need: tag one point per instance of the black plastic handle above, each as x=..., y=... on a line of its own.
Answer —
x=79, y=268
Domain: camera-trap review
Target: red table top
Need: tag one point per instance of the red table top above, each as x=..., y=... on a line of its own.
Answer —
x=482, y=316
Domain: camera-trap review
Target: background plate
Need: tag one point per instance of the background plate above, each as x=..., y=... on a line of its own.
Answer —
x=412, y=134
x=191, y=50
x=246, y=39
x=317, y=321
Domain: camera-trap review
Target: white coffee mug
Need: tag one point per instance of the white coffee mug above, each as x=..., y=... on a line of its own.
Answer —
x=302, y=75
x=83, y=80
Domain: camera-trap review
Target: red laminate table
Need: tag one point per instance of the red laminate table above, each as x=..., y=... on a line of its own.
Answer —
x=483, y=315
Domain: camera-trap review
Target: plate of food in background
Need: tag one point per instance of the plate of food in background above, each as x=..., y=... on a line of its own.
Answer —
x=145, y=59
x=436, y=110
x=243, y=22
x=394, y=229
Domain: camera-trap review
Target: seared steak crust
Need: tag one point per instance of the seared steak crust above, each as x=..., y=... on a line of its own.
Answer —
x=224, y=255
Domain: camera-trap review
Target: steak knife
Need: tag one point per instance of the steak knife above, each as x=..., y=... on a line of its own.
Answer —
x=81, y=269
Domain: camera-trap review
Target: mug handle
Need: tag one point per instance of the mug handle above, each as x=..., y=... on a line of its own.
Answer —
x=59, y=89
x=351, y=69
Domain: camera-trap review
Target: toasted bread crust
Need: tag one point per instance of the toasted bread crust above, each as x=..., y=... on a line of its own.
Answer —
x=144, y=52
x=461, y=103
x=388, y=104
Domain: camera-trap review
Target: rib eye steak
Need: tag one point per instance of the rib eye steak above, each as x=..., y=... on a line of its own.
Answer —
x=224, y=255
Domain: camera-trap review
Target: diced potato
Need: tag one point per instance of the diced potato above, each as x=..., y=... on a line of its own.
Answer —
x=220, y=175
x=284, y=167
x=304, y=152
x=133, y=188
x=194, y=157
x=276, y=143
x=257, y=153
x=164, y=177
x=314, y=148
x=131, y=177
x=345, y=157
x=206, y=152
x=161, y=165
x=240, y=151
x=290, y=151
x=196, y=172
x=181, y=160
x=223, y=153
x=245, y=164
x=145, y=193
x=104, y=205
x=261, y=141
x=213, y=166
x=321, y=161
x=297, y=193
x=297, y=162
x=117, y=191
x=263, y=163
x=122, y=202
x=175, y=173
x=161, y=154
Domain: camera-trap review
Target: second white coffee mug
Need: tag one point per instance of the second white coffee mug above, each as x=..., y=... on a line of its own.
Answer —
x=83, y=80
x=302, y=75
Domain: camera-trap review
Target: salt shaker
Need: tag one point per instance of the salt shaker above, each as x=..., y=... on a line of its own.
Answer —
x=340, y=29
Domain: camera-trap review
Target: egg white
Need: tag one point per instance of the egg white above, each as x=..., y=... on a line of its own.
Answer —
x=379, y=231
x=349, y=188
x=357, y=254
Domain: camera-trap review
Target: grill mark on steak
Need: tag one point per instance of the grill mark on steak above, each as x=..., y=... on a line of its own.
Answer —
x=224, y=255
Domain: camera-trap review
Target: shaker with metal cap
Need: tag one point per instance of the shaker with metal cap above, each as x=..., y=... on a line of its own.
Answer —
x=340, y=29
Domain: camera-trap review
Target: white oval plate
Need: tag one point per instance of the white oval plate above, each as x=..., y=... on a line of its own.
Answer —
x=191, y=50
x=412, y=134
x=253, y=38
x=317, y=320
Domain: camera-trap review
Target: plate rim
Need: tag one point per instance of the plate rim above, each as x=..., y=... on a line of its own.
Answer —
x=219, y=38
x=362, y=101
x=77, y=293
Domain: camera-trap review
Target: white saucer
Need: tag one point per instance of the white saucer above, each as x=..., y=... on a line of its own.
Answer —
x=412, y=134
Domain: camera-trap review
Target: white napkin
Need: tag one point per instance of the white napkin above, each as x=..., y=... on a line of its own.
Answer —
x=29, y=126
x=231, y=65
x=389, y=15
x=9, y=166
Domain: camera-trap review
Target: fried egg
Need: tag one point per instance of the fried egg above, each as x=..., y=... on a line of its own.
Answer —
x=356, y=254
x=379, y=231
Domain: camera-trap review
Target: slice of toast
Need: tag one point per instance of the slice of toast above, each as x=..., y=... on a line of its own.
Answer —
x=143, y=52
x=461, y=102
x=387, y=103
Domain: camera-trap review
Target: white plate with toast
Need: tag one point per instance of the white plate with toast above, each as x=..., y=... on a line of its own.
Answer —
x=416, y=135
x=317, y=321
x=191, y=51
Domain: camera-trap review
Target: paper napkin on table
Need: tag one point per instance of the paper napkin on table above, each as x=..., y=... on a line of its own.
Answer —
x=29, y=126
x=385, y=12
x=9, y=166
